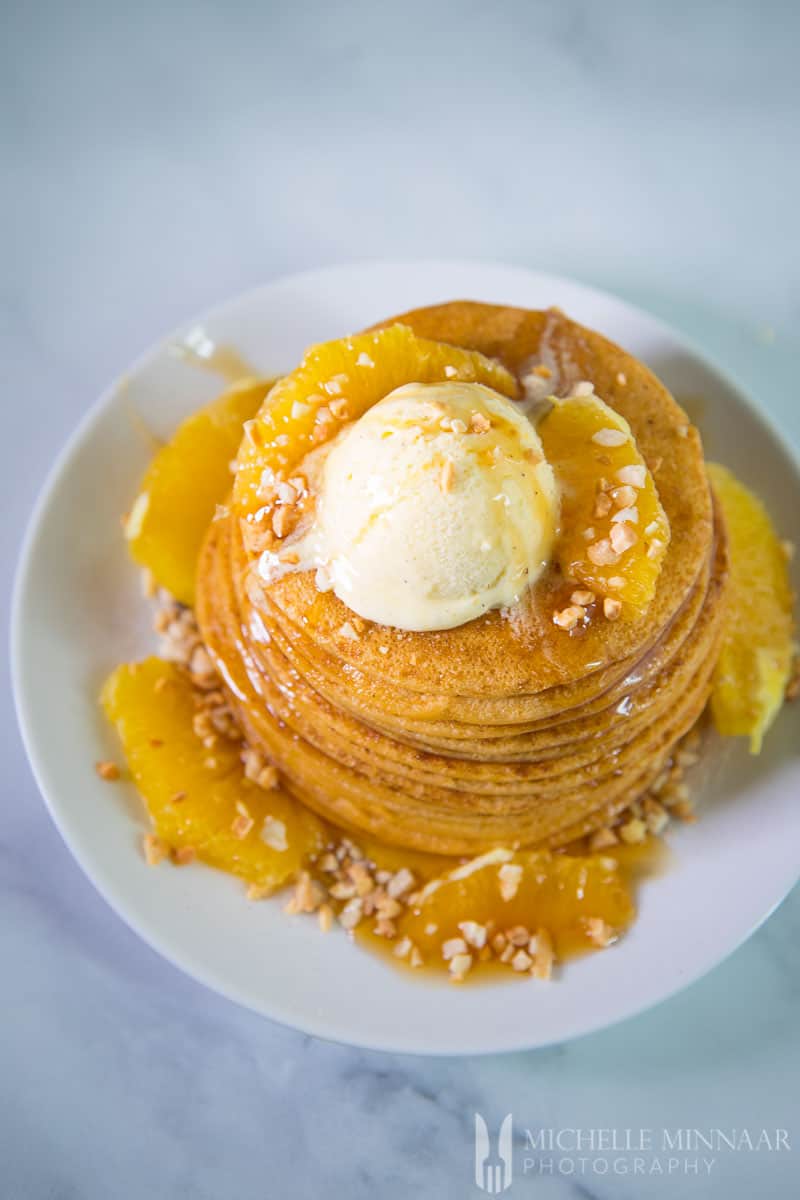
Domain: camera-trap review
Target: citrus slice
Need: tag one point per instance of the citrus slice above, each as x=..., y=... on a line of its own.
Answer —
x=758, y=643
x=613, y=531
x=335, y=384
x=571, y=897
x=181, y=488
x=199, y=798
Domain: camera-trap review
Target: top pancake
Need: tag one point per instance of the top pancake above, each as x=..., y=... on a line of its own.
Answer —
x=522, y=654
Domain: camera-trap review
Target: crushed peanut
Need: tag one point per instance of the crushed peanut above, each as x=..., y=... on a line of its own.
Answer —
x=568, y=618
x=609, y=437
x=602, y=553
x=510, y=876
x=155, y=849
x=182, y=856
x=107, y=770
x=612, y=608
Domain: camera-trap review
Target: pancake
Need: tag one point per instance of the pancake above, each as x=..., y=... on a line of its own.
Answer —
x=503, y=730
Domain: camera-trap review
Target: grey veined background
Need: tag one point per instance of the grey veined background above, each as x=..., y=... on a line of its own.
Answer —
x=158, y=157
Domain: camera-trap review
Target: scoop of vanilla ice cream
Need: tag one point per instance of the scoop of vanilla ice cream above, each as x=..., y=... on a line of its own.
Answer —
x=435, y=506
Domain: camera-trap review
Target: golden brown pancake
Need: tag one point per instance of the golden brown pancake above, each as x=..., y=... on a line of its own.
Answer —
x=502, y=730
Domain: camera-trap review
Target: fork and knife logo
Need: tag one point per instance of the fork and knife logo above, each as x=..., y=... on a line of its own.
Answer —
x=493, y=1164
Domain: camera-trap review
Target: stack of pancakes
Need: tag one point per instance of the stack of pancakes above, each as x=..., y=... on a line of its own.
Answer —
x=506, y=730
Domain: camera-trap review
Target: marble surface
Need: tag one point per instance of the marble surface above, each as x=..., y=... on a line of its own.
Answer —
x=159, y=157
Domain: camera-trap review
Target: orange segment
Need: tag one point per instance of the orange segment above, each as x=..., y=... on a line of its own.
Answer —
x=192, y=793
x=187, y=478
x=756, y=658
x=558, y=892
x=336, y=383
x=614, y=532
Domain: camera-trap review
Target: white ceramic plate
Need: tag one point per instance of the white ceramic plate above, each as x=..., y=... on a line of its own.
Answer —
x=78, y=611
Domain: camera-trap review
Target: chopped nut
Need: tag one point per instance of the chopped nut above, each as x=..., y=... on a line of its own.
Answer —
x=633, y=831
x=616, y=582
x=403, y=948
x=582, y=598
x=474, y=934
x=342, y=890
x=286, y=493
x=522, y=961
x=361, y=878
x=183, y=855
x=480, y=423
x=325, y=917
x=635, y=475
x=655, y=548
x=624, y=497
x=622, y=537
x=347, y=631
x=545, y=955
x=416, y=959
x=519, y=935
x=452, y=947
x=384, y=927
x=401, y=882
x=273, y=834
x=599, y=931
x=107, y=770
x=352, y=913
x=242, y=825
x=340, y=408
x=281, y=521
x=267, y=778
x=567, y=618
x=260, y=891
x=602, y=553
x=510, y=876
x=612, y=608
x=155, y=849
x=656, y=816
x=602, y=505
x=308, y=893
x=609, y=437
x=459, y=965
x=499, y=942
x=602, y=839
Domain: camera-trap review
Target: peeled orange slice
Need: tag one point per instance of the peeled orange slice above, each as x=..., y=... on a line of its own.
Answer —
x=756, y=658
x=563, y=894
x=197, y=797
x=336, y=383
x=184, y=483
x=613, y=531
